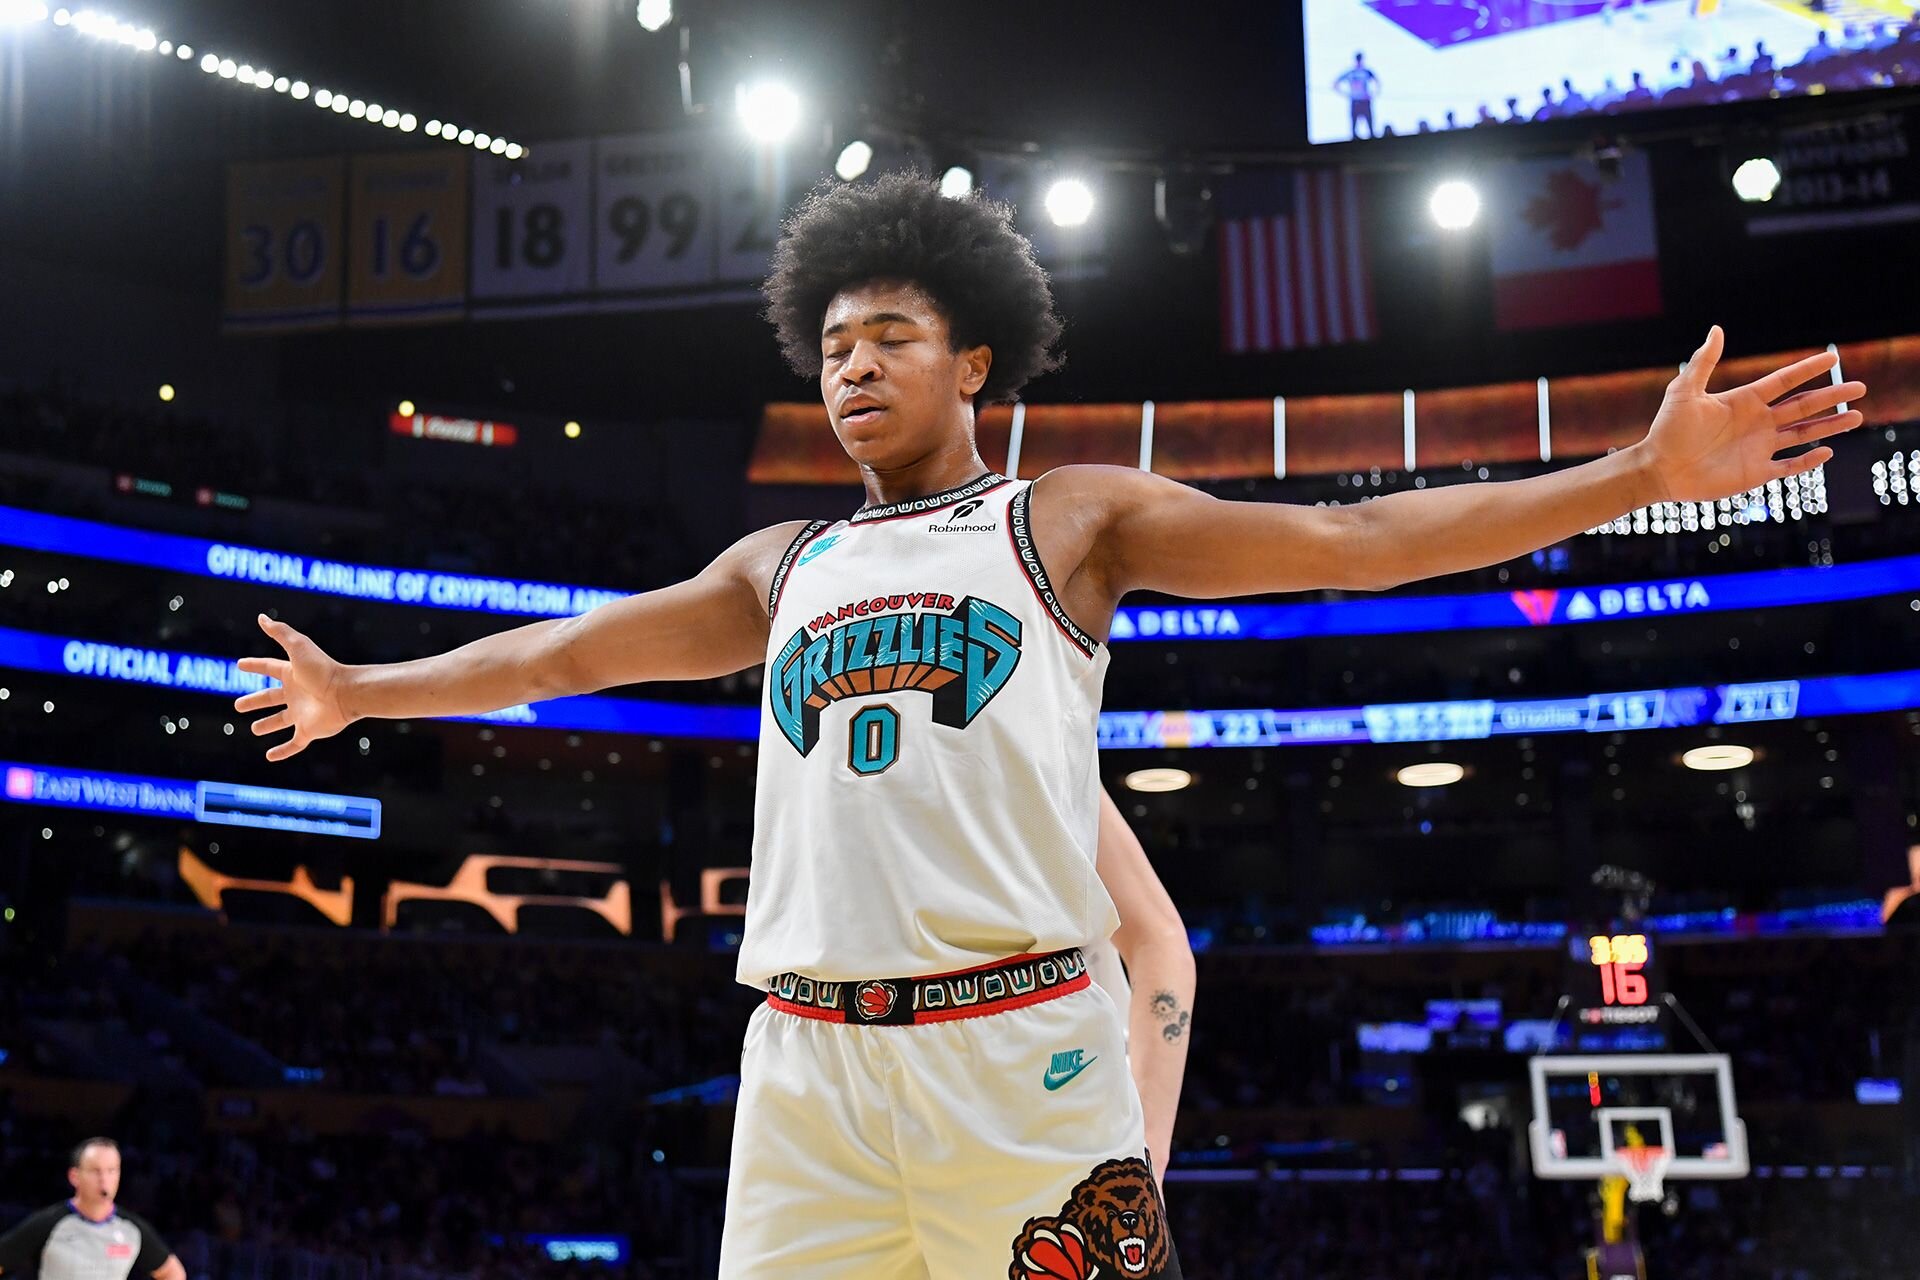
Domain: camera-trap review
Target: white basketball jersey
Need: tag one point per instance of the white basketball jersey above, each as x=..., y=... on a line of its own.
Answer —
x=928, y=791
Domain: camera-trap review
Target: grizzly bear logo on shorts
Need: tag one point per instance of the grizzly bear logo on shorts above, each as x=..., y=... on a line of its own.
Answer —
x=1110, y=1228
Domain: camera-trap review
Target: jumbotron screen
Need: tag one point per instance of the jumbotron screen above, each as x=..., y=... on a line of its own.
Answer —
x=1392, y=67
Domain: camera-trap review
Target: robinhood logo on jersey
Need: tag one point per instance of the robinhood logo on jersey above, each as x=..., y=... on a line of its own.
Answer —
x=961, y=652
x=962, y=520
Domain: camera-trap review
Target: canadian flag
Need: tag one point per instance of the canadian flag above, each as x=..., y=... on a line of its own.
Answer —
x=1573, y=245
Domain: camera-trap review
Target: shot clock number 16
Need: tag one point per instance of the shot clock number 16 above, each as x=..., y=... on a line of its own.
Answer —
x=1620, y=958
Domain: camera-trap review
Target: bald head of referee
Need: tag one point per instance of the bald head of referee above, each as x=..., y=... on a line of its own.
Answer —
x=89, y=1237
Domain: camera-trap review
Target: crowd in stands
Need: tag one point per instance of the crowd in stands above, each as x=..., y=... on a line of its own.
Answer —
x=541, y=534
x=551, y=535
x=1865, y=55
x=403, y=1205
x=1805, y=1018
x=399, y=1016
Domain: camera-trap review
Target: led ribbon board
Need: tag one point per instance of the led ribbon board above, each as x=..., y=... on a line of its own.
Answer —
x=1552, y=607
x=197, y=673
x=35, y=531
x=1675, y=708
x=1764, y=589
x=227, y=803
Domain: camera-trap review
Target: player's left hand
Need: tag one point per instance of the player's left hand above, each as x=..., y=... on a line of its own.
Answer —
x=1706, y=445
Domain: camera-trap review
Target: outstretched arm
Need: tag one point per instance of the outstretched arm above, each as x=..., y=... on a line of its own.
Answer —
x=1152, y=941
x=1158, y=535
x=710, y=625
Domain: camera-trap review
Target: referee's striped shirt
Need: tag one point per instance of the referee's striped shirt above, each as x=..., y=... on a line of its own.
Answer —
x=60, y=1244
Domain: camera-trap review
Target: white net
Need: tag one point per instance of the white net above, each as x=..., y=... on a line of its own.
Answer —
x=1645, y=1169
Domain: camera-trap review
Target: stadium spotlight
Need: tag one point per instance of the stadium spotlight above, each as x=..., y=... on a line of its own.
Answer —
x=166, y=392
x=573, y=430
x=768, y=110
x=499, y=146
x=408, y=122
x=1756, y=179
x=405, y=408
x=1069, y=202
x=21, y=12
x=466, y=136
x=1434, y=773
x=515, y=151
x=227, y=69
x=1454, y=205
x=281, y=84
x=299, y=91
x=433, y=128
x=209, y=64
x=184, y=52
x=957, y=181
x=1719, y=757
x=1158, y=780
x=390, y=118
x=653, y=14
x=854, y=159
x=323, y=98
x=357, y=108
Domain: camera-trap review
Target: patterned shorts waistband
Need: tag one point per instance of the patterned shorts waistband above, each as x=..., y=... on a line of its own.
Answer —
x=1012, y=983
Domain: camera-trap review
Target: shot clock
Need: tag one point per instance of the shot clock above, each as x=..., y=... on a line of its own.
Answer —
x=1613, y=985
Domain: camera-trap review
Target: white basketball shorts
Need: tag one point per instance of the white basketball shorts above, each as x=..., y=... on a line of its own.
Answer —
x=947, y=1128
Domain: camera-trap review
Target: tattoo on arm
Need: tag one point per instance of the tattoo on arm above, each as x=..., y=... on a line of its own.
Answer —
x=1173, y=1019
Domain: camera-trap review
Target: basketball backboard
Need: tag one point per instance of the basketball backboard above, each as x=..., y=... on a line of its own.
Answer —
x=1586, y=1108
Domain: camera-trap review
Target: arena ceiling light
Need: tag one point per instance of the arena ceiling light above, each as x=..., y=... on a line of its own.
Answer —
x=768, y=110
x=1719, y=757
x=653, y=14
x=105, y=27
x=1454, y=205
x=1155, y=780
x=1432, y=773
x=956, y=182
x=1756, y=180
x=854, y=159
x=1069, y=202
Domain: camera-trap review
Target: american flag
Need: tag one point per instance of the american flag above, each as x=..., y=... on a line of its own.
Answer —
x=1293, y=265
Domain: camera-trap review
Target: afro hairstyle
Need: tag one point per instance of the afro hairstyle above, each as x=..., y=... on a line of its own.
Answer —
x=963, y=254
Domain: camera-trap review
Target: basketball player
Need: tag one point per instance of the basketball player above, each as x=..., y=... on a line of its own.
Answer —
x=933, y=1087
x=1361, y=86
x=89, y=1237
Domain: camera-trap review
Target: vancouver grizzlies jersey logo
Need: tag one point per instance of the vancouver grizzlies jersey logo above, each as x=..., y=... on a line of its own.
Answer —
x=961, y=652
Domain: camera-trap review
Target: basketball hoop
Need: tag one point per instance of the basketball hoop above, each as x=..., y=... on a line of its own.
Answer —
x=1645, y=1168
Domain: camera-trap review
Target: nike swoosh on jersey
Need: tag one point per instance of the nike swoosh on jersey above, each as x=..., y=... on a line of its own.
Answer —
x=1053, y=1081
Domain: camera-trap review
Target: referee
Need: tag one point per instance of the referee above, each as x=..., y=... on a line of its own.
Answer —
x=87, y=1237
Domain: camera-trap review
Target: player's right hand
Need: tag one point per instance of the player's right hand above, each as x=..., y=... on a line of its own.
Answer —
x=308, y=691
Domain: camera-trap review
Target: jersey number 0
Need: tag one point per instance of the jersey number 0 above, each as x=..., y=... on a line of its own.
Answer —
x=873, y=740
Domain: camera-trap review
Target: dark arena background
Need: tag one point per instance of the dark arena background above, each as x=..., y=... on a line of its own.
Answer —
x=407, y=323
